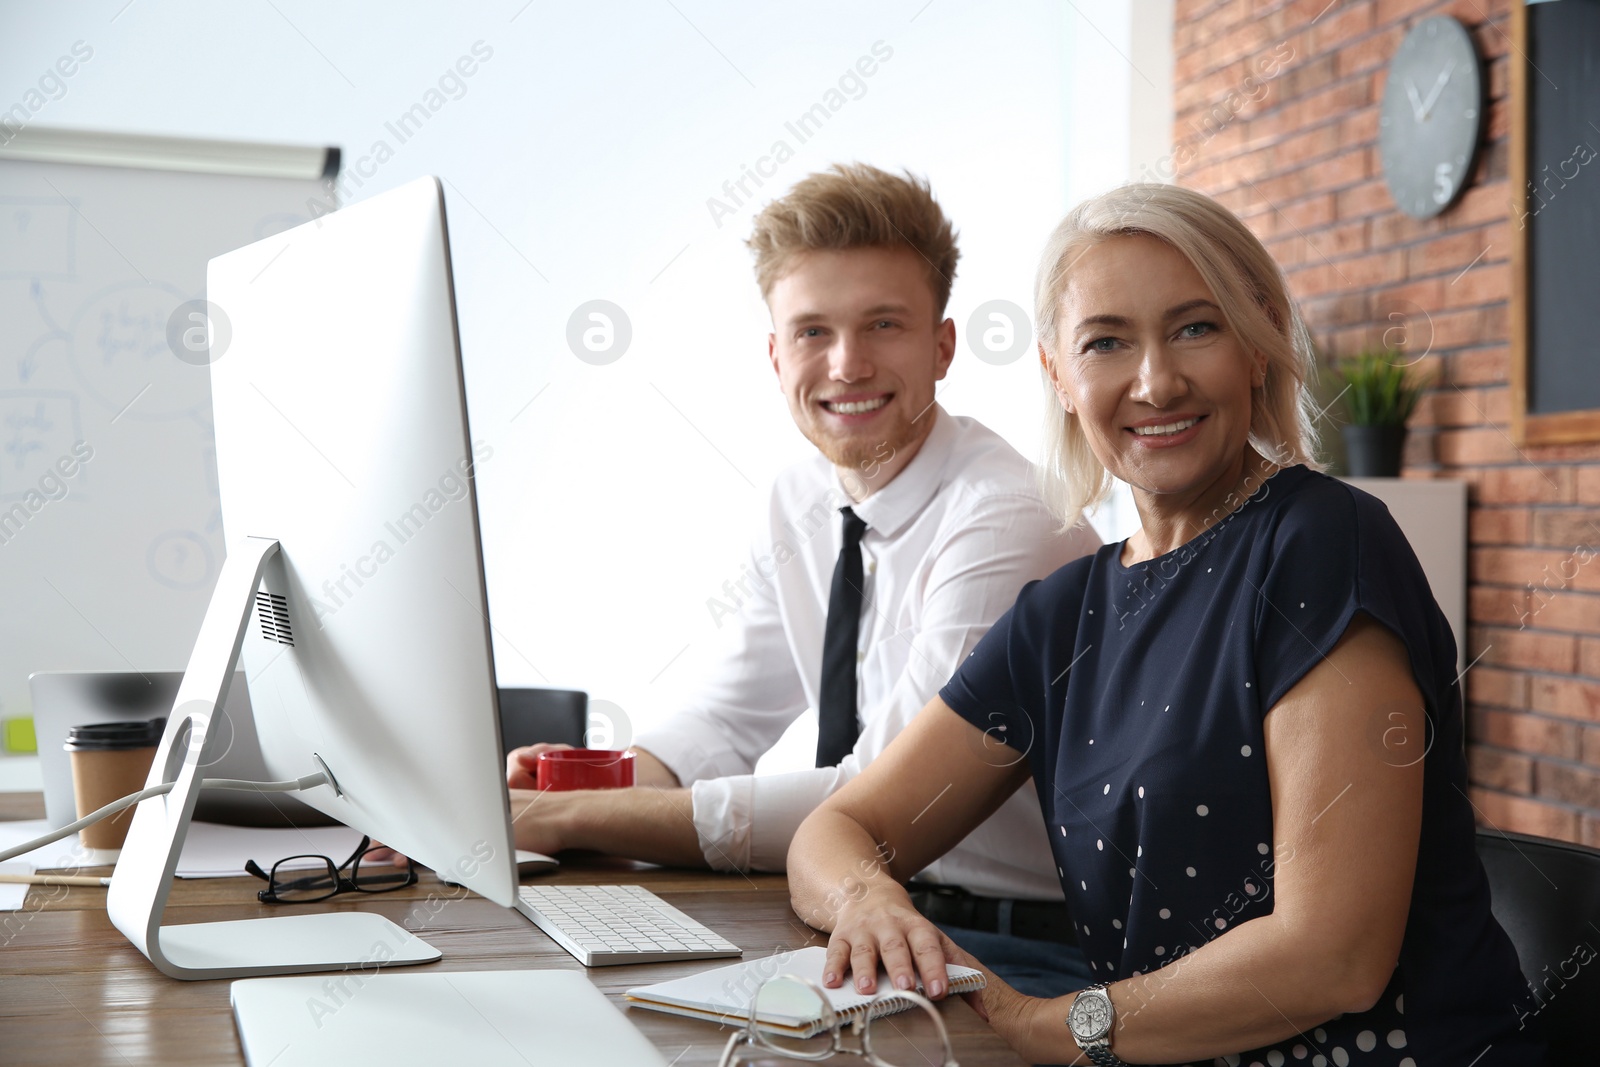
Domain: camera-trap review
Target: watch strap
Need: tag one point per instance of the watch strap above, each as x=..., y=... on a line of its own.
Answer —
x=1102, y=1055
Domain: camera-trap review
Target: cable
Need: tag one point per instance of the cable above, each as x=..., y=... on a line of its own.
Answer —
x=131, y=799
x=290, y=786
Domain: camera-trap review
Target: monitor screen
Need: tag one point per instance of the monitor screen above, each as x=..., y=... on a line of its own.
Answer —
x=342, y=434
x=353, y=595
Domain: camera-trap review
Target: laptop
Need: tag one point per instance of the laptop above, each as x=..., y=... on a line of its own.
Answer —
x=485, y=1018
x=64, y=699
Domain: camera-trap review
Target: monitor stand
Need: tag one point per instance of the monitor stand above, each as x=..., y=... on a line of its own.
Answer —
x=288, y=944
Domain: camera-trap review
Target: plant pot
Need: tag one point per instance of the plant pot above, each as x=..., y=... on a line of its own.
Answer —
x=1374, y=451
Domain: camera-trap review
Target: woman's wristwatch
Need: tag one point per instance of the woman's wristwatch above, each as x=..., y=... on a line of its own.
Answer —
x=1091, y=1020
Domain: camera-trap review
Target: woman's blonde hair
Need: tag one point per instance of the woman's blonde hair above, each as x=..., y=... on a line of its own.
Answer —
x=1246, y=283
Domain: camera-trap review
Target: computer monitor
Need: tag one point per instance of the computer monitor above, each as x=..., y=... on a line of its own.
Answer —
x=353, y=593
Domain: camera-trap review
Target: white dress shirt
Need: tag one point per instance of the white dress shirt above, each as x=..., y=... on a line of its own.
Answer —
x=950, y=542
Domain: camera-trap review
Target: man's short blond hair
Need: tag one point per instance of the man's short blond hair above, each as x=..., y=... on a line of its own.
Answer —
x=853, y=205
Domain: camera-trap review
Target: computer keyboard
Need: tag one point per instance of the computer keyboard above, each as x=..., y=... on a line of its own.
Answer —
x=603, y=925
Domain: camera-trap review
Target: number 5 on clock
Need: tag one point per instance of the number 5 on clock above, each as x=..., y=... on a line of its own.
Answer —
x=1444, y=185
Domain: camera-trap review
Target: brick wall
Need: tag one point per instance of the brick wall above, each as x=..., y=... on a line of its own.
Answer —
x=1277, y=116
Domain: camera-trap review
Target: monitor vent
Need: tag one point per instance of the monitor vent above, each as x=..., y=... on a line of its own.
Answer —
x=273, y=612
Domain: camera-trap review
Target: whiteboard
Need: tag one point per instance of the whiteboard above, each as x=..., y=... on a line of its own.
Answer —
x=110, y=533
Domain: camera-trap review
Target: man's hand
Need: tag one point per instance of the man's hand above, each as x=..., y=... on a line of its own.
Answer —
x=379, y=855
x=654, y=825
x=648, y=770
x=522, y=766
x=537, y=818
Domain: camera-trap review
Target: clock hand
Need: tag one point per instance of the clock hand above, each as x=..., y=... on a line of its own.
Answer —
x=1416, y=102
x=1438, y=87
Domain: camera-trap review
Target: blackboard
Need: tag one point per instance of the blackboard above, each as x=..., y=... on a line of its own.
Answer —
x=110, y=533
x=1556, y=220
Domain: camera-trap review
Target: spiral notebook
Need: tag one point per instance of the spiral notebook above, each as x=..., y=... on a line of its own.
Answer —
x=723, y=994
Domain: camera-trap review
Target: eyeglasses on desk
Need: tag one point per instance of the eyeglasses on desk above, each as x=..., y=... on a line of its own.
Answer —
x=912, y=1036
x=293, y=880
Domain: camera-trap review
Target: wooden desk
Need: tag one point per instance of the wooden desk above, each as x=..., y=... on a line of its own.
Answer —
x=74, y=992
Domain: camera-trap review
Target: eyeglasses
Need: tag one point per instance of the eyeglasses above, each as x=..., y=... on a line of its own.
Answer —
x=297, y=880
x=886, y=1039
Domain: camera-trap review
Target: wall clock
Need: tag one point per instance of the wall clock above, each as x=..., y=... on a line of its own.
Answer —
x=1430, y=118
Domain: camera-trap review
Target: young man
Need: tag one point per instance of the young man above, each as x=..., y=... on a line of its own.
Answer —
x=879, y=565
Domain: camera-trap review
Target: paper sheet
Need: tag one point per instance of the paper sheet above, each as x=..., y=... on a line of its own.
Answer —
x=210, y=850
x=64, y=853
x=12, y=896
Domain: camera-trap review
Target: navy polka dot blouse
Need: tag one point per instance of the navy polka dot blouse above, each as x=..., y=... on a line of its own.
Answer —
x=1138, y=694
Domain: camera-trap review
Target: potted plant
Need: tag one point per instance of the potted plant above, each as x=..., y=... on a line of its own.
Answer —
x=1379, y=399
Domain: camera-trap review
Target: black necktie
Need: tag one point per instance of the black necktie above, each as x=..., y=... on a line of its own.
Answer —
x=837, y=727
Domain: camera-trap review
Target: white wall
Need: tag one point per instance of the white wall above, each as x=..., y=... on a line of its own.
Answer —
x=579, y=159
x=1120, y=58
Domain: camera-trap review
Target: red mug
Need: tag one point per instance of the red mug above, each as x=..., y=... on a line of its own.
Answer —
x=585, y=768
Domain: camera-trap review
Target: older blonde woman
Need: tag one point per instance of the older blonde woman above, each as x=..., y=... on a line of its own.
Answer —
x=1243, y=721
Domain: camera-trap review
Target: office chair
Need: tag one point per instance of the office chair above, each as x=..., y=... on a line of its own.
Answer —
x=1547, y=896
x=528, y=716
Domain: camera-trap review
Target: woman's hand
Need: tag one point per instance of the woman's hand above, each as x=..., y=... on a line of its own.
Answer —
x=877, y=924
x=849, y=856
x=999, y=1005
x=891, y=931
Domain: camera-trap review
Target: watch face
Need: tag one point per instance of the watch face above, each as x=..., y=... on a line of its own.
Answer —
x=1090, y=1017
x=1429, y=121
